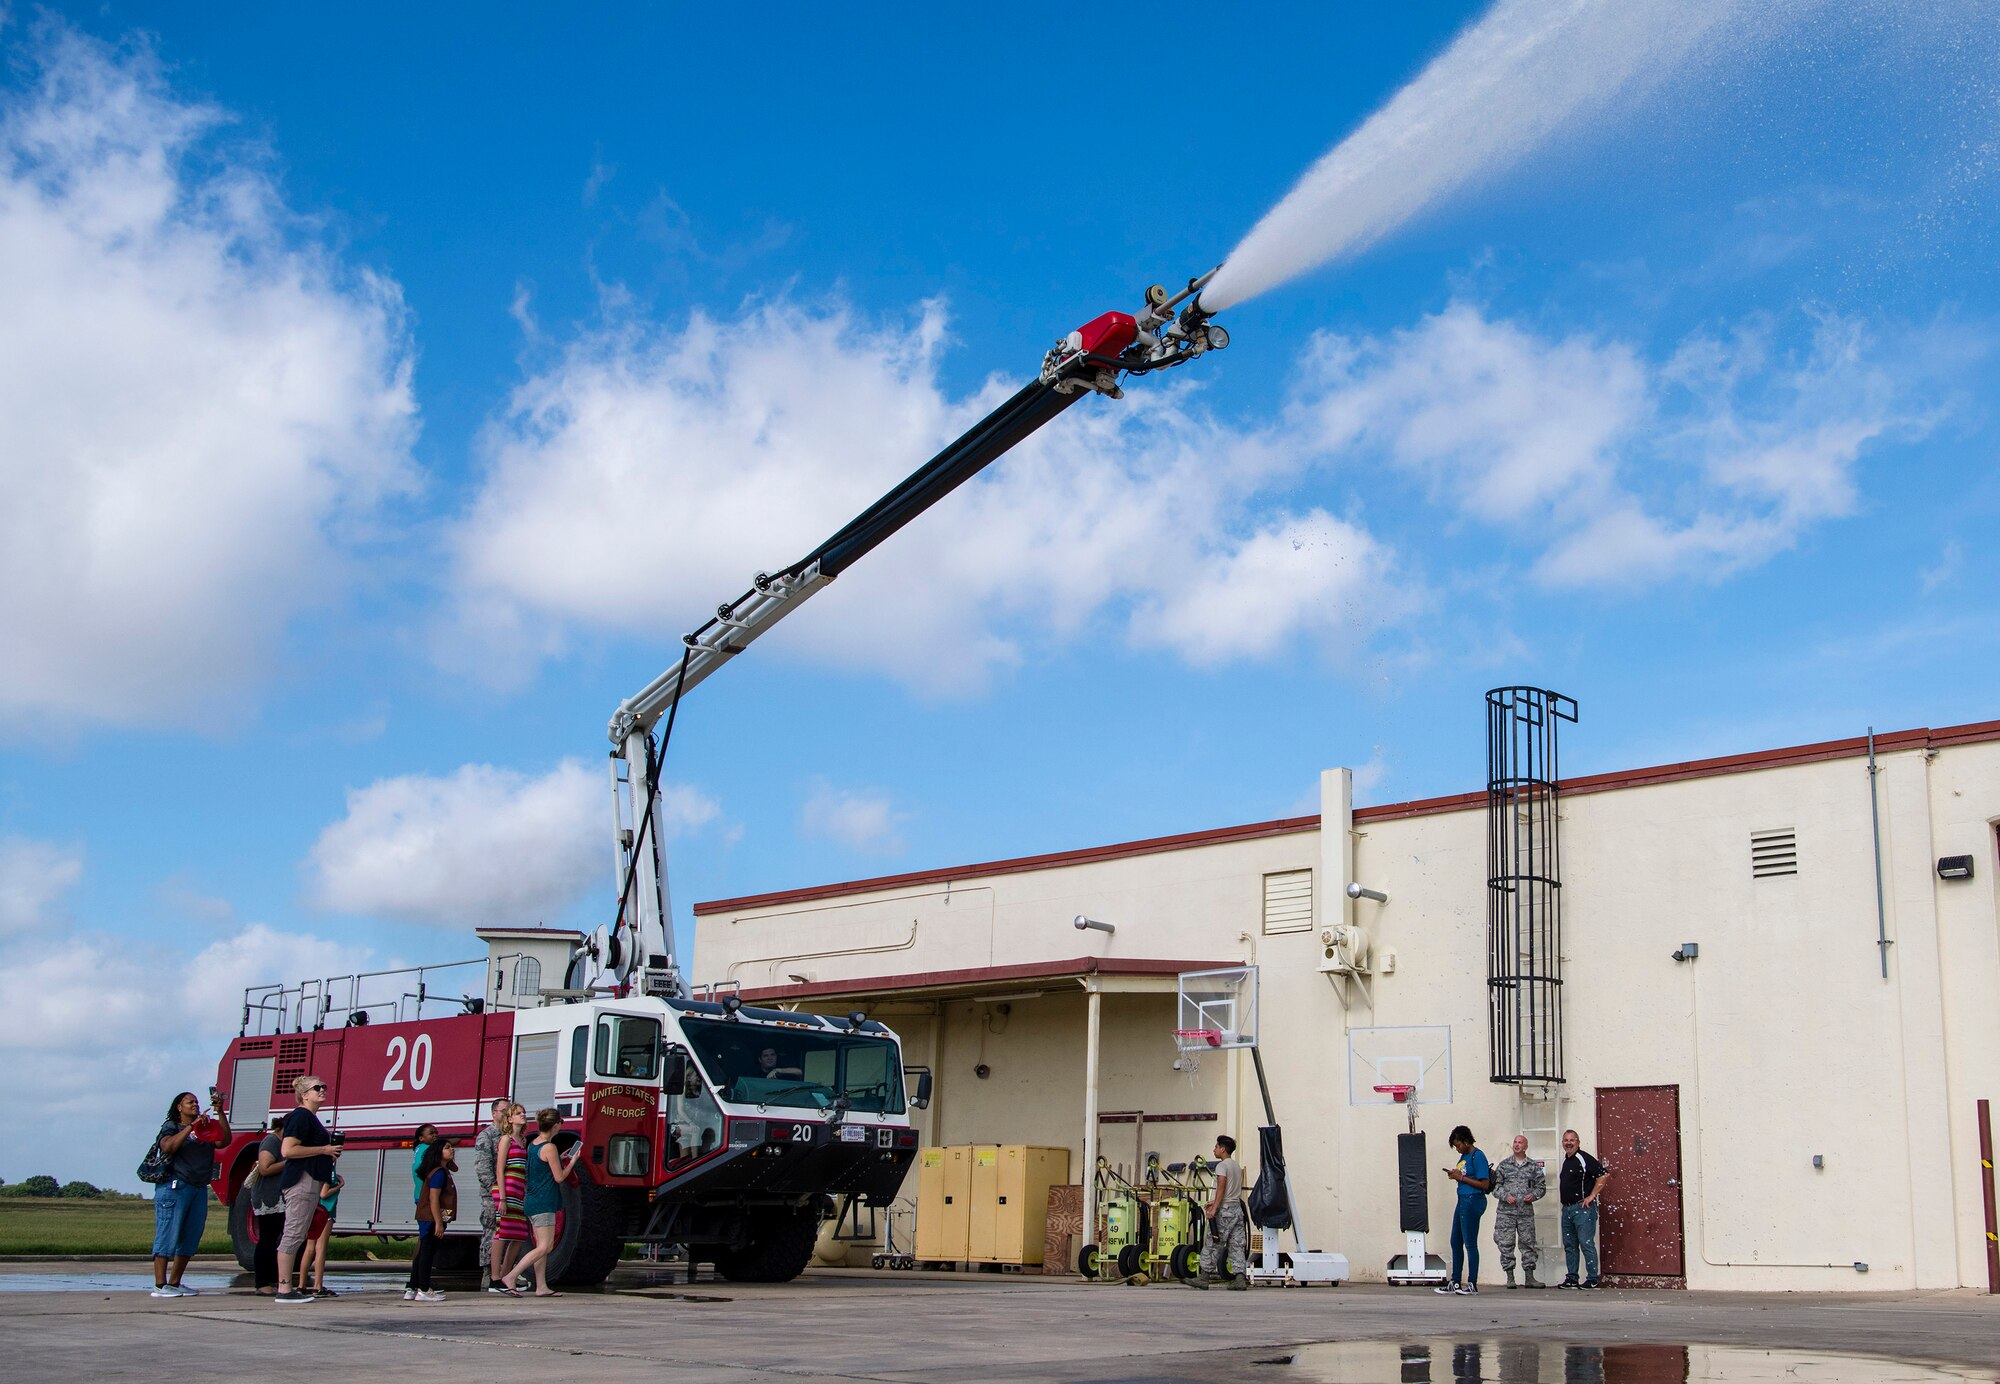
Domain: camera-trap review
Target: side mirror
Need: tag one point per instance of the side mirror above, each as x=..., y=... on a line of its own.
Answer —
x=922, y=1099
x=674, y=1072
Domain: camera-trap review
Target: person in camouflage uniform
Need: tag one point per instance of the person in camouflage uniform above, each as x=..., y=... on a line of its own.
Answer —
x=1226, y=1254
x=1517, y=1185
x=483, y=1151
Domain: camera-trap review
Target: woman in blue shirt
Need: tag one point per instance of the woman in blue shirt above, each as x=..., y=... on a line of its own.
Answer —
x=1474, y=1176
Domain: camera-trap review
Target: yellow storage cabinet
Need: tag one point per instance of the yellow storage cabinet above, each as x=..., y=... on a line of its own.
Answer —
x=1010, y=1201
x=944, y=1203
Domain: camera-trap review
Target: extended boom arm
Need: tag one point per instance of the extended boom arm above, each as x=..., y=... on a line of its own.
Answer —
x=1088, y=360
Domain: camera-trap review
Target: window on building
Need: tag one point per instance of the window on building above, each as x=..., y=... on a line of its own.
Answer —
x=1288, y=901
x=528, y=977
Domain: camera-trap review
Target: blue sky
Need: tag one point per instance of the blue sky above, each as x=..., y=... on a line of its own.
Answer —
x=381, y=395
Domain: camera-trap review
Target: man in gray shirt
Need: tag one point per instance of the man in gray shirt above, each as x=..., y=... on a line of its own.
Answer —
x=1517, y=1185
x=1228, y=1248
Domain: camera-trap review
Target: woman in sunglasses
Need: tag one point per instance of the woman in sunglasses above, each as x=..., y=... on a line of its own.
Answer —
x=309, y=1153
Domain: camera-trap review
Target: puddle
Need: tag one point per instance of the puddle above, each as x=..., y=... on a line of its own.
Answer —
x=139, y=1280
x=1533, y=1362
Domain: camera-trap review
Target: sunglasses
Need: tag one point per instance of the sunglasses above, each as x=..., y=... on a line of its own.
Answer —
x=320, y=1087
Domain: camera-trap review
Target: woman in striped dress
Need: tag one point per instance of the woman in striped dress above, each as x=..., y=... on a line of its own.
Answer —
x=510, y=1190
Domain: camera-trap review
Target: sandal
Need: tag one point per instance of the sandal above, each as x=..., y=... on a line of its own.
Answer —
x=550, y=1293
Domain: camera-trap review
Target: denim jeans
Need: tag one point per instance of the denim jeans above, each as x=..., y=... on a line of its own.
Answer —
x=1465, y=1238
x=180, y=1213
x=1580, y=1230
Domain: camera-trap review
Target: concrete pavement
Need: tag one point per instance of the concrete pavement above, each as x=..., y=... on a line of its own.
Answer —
x=956, y=1328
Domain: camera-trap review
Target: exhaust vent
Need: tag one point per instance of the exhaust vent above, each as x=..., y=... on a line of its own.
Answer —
x=1774, y=853
x=1288, y=901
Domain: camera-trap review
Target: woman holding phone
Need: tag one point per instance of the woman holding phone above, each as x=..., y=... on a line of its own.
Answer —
x=547, y=1171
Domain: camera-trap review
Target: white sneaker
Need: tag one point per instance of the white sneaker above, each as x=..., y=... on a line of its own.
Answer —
x=429, y=1297
x=409, y=1294
x=164, y=1291
x=182, y=1290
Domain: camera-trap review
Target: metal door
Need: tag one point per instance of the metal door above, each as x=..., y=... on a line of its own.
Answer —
x=535, y=1071
x=1639, y=1143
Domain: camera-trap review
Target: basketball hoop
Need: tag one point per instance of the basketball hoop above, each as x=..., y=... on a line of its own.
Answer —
x=1402, y=1095
x=1191, y=1044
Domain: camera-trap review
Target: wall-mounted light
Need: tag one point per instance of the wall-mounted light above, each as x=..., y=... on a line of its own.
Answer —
x=1083, y=923
x=1357, y=891
x=1954, y=867
x=1686, y=951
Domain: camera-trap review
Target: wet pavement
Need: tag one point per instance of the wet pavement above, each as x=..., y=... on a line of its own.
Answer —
x=98, y=1321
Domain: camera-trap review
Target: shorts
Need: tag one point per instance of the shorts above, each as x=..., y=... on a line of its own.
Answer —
x=319, y=1220
x=301, y=1200
x=544, y=1221
x=180, y=1214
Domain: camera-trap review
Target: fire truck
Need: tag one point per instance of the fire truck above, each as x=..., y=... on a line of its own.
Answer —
x=722, y=1128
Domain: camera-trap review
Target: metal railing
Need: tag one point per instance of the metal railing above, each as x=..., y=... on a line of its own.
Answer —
x=394, y=996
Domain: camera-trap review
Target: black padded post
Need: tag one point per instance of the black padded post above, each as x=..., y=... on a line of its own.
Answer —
x=1411, y=1171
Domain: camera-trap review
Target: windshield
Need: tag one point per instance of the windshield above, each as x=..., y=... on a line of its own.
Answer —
x=802, y=1068
x=628, y=1047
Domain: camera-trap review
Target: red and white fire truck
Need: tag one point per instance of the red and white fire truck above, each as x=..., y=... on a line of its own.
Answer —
x=718, y=1126
x=725, y=1129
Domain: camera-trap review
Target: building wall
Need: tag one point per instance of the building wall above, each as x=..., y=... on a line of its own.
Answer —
x=1783, y=1037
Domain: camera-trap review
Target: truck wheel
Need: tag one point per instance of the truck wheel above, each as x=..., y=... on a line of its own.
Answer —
x=1088, y=1261
x=781, y=1245
x=588, y=1235
x=456, y=1252
x=243, y=1231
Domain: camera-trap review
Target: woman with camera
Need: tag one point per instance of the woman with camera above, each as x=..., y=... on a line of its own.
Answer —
x=188, y=1140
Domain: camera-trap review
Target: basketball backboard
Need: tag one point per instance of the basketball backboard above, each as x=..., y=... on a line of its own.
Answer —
x=1417, y=1055
x=1218, y=1009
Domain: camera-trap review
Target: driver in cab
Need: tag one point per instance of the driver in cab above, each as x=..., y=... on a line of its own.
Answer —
x=770, y=1067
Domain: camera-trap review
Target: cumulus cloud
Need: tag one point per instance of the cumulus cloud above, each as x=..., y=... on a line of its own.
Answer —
x=97, y=1031
x=866, y=822
x=744, y=442
x=1633, y=471
x=200, y=407
x=34, y=876
x=480, y=846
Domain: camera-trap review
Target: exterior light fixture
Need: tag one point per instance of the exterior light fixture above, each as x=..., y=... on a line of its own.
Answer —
x=1954, y=867
x=1687, y=951
x=1083, y=923
x=1357, y=891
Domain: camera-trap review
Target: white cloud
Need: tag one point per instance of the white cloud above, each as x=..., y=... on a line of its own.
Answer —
x=98, y=1032
x=200, y=408
x=866, y=822
x=34, y=875
x=1622, y=470
x=730, y=445
x=480, y=846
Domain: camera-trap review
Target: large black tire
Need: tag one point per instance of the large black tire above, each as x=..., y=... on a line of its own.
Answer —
x=1089, y=1261
x=1130, y=1260
x=457, y=1252
x=1183, y=1263
x=243, y=1231
x=589, y=1236
x=781, y=1245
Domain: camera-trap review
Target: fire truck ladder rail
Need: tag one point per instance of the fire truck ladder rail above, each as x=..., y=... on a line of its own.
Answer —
x=306, y=1006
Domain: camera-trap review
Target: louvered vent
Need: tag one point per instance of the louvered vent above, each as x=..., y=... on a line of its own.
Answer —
x=1774, y=853
x=1288, y=901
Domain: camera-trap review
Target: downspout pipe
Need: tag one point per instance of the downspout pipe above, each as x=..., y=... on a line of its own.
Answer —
x=1875, y=821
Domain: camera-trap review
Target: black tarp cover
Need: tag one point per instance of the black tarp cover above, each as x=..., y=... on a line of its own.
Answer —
x=1269, y=1209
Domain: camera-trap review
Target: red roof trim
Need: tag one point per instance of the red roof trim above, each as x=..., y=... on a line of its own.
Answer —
x=1150, y=846
x=1889, y=742
x=984, y=975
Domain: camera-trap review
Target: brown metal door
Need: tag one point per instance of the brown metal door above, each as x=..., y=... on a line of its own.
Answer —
x=1639, y=1143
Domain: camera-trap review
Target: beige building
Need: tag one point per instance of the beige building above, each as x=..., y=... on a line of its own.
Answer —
x=1776, y=1112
